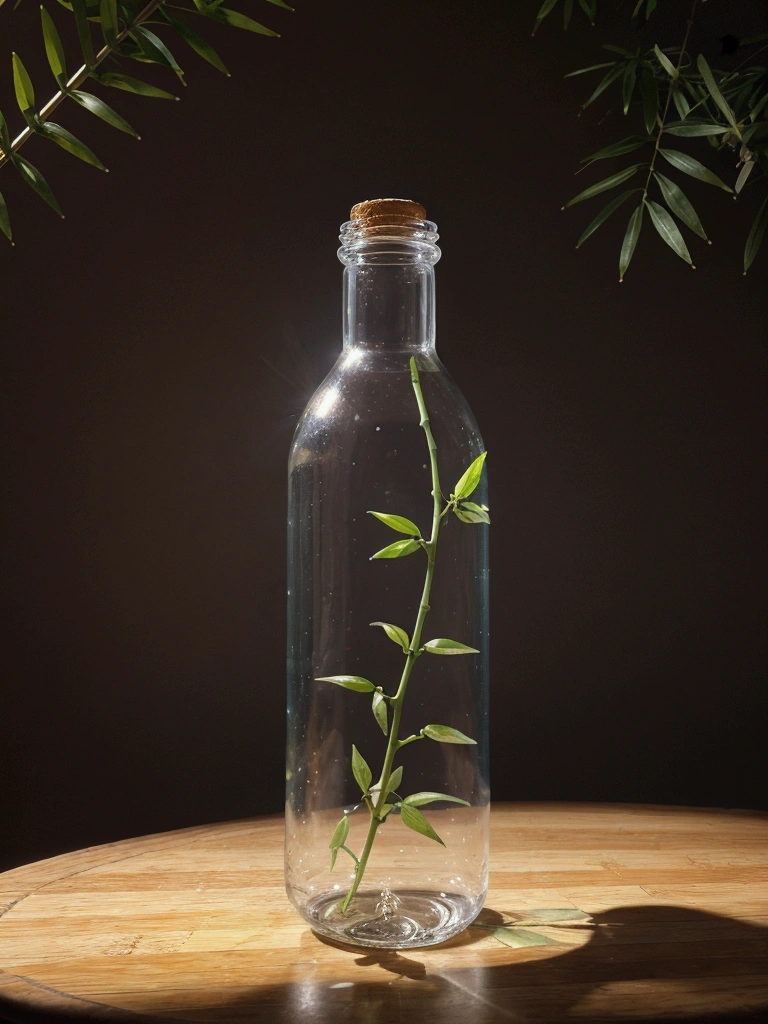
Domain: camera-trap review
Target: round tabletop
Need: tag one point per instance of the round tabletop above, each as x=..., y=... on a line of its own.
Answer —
x=595, y=912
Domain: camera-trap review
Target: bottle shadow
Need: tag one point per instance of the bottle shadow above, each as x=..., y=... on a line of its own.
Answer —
x=654, y=963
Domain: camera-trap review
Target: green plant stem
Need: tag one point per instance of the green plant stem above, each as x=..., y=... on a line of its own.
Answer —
x=78, y=79
x=655, y=154
x=394, y=743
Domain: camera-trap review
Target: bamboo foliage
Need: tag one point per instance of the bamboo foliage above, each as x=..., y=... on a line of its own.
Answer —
x=108, y=31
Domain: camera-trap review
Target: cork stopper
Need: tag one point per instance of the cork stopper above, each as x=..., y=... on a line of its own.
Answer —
x=380, y=212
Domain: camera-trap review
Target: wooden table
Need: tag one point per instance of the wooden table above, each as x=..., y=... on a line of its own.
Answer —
x=194, y=926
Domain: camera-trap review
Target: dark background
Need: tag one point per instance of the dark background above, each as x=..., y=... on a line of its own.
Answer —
x=158, y=345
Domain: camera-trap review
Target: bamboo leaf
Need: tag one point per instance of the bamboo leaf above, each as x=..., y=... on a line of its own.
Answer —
x=618, y=49
x=109, y=23
x=603, y=216
x=547, y=915
x=681, y=103
x=398, y=523
x=714, y=92
x=649, y=92
x=237, y=20
x=604, y=83
x=280, y=3
x=744, y=173
x=156, y=50
x=630, y=240
x=604, y=185
x=70, y=144
x=128, y=84
x=25, y=94
x=470, y=478
x=668, y=230
x=54, y=51
x=36, y=181
x=544, y=10
x=678, y=203
x=415, y=819
x=628, y=145
x=5, y=220
x=628, y=85
x=688, y=165
x=98, y=107
x=694, y=129
x=5, y=138
x=567, y=13
x=84, y=31
x=360, y=770
x=592, y=67
x=379, y=707
x=445, y=734
x=666, y=63
x=650, y=8
x=399, y=636
x=357, y=683
x=200, y=46
x=399, y=549
x=755, y=236
x=517, y=938
x=419, y=799
x=444, y=646
x=590, y=9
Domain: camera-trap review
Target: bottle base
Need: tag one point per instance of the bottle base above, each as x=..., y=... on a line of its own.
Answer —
x=392, y=920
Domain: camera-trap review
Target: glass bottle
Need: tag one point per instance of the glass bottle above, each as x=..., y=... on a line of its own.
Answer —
x=364, y=868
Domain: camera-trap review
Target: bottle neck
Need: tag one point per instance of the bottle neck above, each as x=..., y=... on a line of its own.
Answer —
x=389, y=306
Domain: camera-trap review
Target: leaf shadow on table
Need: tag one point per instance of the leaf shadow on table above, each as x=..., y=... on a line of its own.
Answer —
x=656, y=963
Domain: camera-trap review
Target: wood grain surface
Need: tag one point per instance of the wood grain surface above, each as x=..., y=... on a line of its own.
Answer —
x=195, y=926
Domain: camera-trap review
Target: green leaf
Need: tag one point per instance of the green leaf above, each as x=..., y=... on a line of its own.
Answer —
x=5, y=138
x=564, y=914
x=604, y=214
x=109, y=22
x=25, y=94
x=678, y=203
x=360, y=770
x=649, y=91
x=84, y=31
x=128, y=84
x=379, y=708
x=688, y=165
x=155, y=49
x=618, y=49
x=544, y=10
x=280, y=3
x=54, y=51
x=237, y=20
x=5, y=220
x=340, y=834
x=519, y=937
x=693, y=129
x=590, y=9
x=70, y=144
x=443, y=646
x=604, y=185
x=36, y=181
x=477, y=510
x=398, y=523
x=394, y=780
x=445, y=734
x=714, y=92
x=419, y=799
x=357, y=683
x=592, y=67
x=668, y=230
x=630, y=240
x=604, y=83
x=744, y=173
x=567, y=13
x=466, y=517
x=628, y=85
x=650, y=8
x=628, y=145
x=638, y=5
x=755, y=236
x=469, y=480
x=666, y=63
x=399, y=549
x=681, y=103
x=98, y=107
x=205, y=50
x=399, y=636
x=415, y=819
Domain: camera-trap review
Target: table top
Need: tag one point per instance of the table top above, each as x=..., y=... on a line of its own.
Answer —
x=194, y=926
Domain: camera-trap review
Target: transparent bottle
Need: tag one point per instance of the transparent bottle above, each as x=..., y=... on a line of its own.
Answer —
x=363, y=867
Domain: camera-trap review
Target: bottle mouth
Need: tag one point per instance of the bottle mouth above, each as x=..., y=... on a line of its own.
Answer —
x=394, y=228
